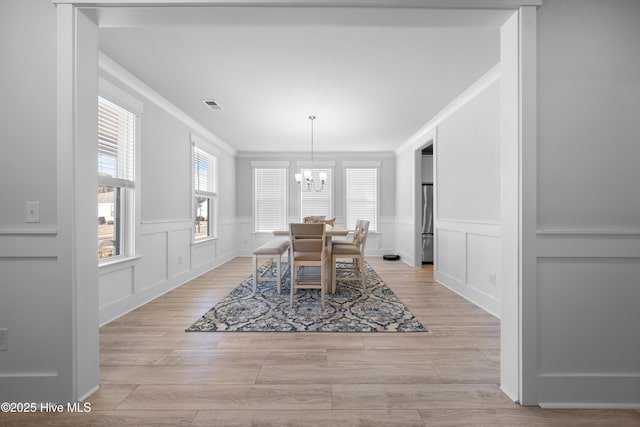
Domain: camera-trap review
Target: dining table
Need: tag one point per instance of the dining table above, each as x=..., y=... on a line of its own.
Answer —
x=330, y=232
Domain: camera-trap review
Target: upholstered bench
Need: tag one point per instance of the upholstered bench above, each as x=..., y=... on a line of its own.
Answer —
x=273, y=249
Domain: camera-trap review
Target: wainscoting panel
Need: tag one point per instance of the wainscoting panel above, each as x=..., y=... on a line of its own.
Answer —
x=581, y=295
x=179, y=253
x=588, y=321
x=115, y=286
x=227, y=243
x=405, y=238
x=381, y=241
x=483, y=264
x=30, y=304
x=28, y=244
x=245, y=238
x=153, y=267
x=28, y=387
x=166, y=258
x=452, y=255
x=468, y=261
x=203, y=252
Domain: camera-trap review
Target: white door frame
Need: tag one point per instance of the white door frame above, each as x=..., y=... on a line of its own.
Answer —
x=521, y=353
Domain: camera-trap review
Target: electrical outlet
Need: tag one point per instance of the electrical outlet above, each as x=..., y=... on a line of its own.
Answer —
x=492, y=279
x=179, y=260
x=4, y=339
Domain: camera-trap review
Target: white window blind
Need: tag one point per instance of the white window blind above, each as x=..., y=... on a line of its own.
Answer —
x=116, y=136
x=270, y=199
x=362, y=196
x=316, y=203
x=203, y=172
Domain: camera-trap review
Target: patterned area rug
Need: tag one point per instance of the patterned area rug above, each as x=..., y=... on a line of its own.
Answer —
x=351, y=309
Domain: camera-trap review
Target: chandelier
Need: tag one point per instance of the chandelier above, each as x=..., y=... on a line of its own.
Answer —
x=308, y=184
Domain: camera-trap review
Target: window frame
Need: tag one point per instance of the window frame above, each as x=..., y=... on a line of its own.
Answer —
x=362, y=165
x=129, y=190
x=210, y=194
x=287, y=193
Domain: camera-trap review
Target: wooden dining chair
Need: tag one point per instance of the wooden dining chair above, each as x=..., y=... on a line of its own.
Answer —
x=352, y=241
x=353, y=251
x=308, y=256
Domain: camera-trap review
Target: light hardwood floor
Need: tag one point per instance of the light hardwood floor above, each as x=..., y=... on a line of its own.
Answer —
x=153, y=373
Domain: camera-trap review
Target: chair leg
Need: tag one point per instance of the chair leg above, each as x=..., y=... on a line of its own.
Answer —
x=333, y=274
x=279, y=261
x=361, y=262
x=323, y=287
x=255, y=273
x=293, y=284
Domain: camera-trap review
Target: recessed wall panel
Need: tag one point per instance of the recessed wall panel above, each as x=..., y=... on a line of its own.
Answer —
x=483, y=264
x=588, y=314
x=115, y=286
x=153, y=267
x=451, y=254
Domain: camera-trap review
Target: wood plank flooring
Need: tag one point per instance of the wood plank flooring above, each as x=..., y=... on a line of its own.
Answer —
x=153, y=373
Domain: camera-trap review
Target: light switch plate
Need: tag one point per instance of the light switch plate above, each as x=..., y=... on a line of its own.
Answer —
x=33, y=212
x=4, y=339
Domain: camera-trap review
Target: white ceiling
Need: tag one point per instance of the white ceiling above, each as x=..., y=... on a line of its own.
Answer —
x=372, y=77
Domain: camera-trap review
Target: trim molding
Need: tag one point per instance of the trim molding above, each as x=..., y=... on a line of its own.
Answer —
x=270, y=164
x=423, y=4
x=581, y=391
x=113, y=69
x=29, y=374
x=120, y=307
x=318, y=155
x=585, y=232
x=27, y=232
x=419, y=137
x=165, y=221
x=361, y=164
x=479, y=298
x=12, y=258
x=404, y=220
x=89, y=393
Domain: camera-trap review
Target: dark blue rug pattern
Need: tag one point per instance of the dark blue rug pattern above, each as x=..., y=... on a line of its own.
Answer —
x=374, y=308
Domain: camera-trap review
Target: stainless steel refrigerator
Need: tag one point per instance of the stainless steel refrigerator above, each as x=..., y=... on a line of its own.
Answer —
x=427, y=223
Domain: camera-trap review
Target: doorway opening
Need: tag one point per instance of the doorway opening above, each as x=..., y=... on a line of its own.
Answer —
x=72, y=91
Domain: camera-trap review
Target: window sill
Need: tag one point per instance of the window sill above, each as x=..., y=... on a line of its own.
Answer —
x=203, y=240
x=116, y=264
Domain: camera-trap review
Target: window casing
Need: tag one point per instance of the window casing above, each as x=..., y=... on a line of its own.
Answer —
x=270, y=198
x=116, y=179
x=317, y=203
x=204, y=194
x=361, y=194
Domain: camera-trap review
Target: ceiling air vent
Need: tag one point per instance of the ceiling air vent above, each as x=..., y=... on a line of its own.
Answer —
x=212, y=104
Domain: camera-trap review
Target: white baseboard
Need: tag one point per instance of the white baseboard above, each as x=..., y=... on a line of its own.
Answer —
x=589, y=391
x=89, y=393
x=126, y=305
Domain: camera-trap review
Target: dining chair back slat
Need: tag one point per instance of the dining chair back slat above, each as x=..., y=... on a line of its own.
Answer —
x=307, y=242
x=355, y=252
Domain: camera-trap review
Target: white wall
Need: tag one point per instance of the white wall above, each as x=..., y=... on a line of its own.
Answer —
x=588, y=243
x=33, y=289
x=378, y=243
x=587, y=253
x=167, y=256
x=467, y=218
x=405, y=204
